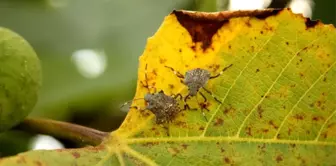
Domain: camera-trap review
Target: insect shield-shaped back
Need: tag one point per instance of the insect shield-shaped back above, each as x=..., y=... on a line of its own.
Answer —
x=164, y=107
x=196, y=79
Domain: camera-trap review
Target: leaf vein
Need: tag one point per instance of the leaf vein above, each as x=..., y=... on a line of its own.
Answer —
x=139, y=156
x=303, y=95
x=319, y=133
x=229, y=139
x=234, y=83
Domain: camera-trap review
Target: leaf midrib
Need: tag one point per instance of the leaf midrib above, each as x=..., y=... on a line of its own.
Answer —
x=228, y=139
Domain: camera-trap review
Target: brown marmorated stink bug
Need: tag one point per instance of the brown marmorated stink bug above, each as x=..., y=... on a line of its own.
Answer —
x=196, y=79
x=164, y=107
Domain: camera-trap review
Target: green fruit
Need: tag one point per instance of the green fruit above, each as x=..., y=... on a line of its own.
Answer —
x=20, y=79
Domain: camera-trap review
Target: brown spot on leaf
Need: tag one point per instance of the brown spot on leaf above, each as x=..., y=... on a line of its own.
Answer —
x=261, y=32
x=201, y=128
x=247, y=23
x=325, y=135
x=204, y=105
x=162, y=60
x=222, y=150
x=248, y=131
x=262, y=147
x=184, y=146
x=305, y=48
x=216, y=67
x=180, y=50
x=311, y=23
x=252, y=48
x=181, y=124
x=228, y=110
x=318, y=103
x=298, y=117
x=200, y=27
x=173, y=151
x=227, y=160
x=149, y=144
x=193, y=47
x=260, y=111
x=279, y=158
x=317, y=118
x=257, y=70
x=38, y=163
x=264, y=130
x=289, y=131
x=287, y=43
x=75, y=154
x=171, y=86
x=219, y=122
x=145, y=113
x=293, y=145
x=273, y=124
x=155, y=73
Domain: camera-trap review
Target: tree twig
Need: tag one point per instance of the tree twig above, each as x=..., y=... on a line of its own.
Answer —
x=63, y=130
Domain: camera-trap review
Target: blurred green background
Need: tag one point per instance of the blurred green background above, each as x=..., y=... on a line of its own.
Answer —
x=116, y=33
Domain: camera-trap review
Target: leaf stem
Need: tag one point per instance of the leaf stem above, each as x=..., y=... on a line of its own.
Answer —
x=63, y=130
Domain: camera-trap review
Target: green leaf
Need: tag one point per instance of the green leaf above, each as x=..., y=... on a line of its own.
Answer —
x=278, y=99
x=20, y=78
x=79, y=157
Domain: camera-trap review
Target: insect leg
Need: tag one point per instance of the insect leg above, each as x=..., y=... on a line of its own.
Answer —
x=166, y=127
x=185, y=99
x=178, y=74
x=187, y=107
x=220, y=73
x=178, y=95
x=203, y=106
x=205, y=100
x=146, y=85
x=212, y=95
x=137, y=108
x=206, y=119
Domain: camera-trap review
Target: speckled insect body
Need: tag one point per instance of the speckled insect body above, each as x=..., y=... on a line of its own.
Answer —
x=164, y=107
x=196, y=79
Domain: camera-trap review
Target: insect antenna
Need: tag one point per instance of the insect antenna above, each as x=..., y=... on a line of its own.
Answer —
x=211, y=95
x=220, y=73
x=128, y=103
x=178, y=74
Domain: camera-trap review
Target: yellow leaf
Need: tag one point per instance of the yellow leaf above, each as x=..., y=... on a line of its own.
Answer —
x=277, y=100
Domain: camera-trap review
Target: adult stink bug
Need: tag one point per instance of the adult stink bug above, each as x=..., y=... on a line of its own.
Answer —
x=196, y=79
x=164, y=107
